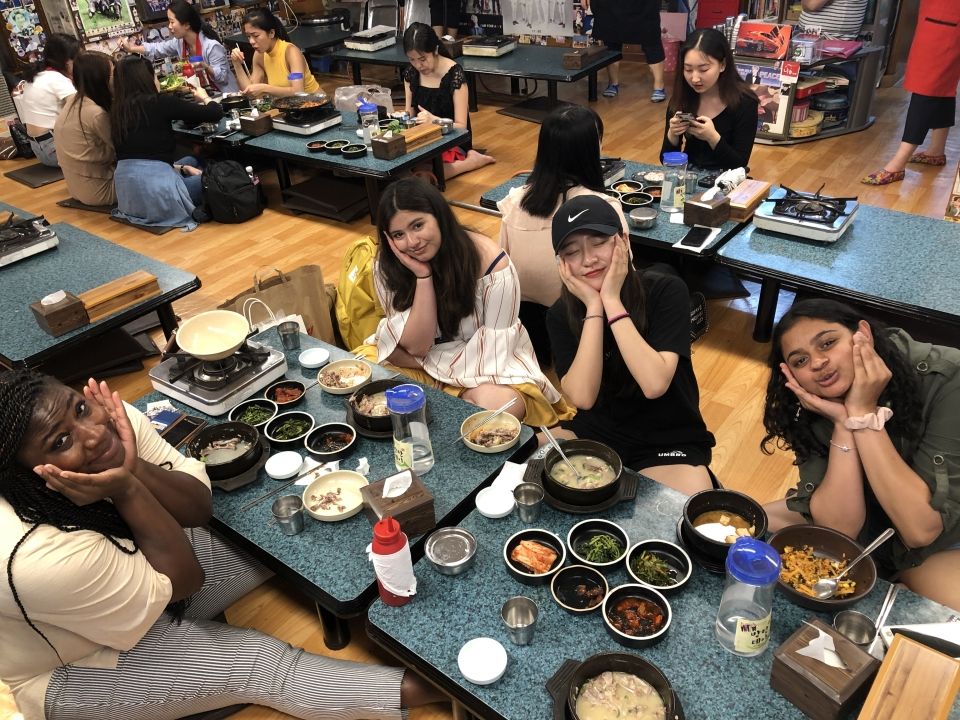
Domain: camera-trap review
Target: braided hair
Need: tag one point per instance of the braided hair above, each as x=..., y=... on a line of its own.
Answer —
x=32, y=501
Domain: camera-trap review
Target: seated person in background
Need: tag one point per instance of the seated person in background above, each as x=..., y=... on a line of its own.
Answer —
x=720, y=135
x=451, y=298
x=191, y=37
x=435, y=87
x=873, y=418
x=621, y=348
x=46, y=86
x=836, y=19
x=567, y=166
x=279, y=68
x=101, y=541
x=84, y=143
x=153, y=188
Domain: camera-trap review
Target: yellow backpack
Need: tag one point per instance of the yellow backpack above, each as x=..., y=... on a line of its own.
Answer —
x=358, y=309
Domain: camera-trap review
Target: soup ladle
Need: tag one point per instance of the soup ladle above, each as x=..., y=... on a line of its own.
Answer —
x=556, y=446
x=826, y=588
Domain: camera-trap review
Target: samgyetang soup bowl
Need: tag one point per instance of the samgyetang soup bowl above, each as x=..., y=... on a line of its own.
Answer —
x=599, y=480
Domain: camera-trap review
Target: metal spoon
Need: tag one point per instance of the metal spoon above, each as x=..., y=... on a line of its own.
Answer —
x=826, y=588
x=556, y=446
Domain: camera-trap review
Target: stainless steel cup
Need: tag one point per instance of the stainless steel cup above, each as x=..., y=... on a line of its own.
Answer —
x=529, y=497
x=520, y=616
x=855, y=627
x=289, y=335
x=690, y=184
x=288, y=512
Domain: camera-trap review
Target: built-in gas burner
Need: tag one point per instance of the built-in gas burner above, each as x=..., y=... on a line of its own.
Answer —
x=813, y=208
x=808, y=215
x=20, y=239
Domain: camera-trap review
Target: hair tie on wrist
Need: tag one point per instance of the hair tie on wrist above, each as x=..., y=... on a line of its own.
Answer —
x=870, y=421
x=617, y=318
x=588, y=317
x=423, y=277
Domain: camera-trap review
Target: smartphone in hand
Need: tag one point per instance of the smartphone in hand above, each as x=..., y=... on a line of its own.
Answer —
x=686, y=117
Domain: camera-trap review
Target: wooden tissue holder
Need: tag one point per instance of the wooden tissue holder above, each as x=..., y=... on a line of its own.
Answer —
x=712, y=213
x=61, y=318
x=413, y=510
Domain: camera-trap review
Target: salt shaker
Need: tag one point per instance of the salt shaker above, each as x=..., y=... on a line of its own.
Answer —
x=743, y=620
x=411, y=438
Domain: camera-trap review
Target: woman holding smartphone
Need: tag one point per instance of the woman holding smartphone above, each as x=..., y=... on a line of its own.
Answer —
x=712, y=115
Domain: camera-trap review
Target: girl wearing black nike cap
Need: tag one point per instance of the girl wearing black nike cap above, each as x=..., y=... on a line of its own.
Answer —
x=621, y=347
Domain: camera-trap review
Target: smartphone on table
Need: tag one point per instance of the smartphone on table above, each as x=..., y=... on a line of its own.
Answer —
x=183, y=430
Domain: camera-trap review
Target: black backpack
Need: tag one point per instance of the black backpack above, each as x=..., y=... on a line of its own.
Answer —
x=229, y=194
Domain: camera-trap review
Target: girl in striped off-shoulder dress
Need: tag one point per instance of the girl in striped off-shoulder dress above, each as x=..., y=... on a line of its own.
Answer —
x=452, y=300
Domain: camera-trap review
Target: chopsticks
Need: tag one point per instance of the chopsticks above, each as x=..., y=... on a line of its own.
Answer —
x=885, y=607
x=244, y=508
x=500, y=410
x=556, y=446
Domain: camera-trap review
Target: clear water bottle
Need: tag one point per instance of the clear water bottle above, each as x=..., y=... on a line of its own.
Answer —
x=411, y=438
x=743, y=620
x=369, y=117
x=674, y=178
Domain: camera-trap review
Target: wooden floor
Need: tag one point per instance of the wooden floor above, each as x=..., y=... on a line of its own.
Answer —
x=728, y=363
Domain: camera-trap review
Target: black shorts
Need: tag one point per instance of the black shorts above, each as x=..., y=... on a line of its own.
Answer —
x=673, y=455
x=652, y=49
x=445, y=13
x=927, y=113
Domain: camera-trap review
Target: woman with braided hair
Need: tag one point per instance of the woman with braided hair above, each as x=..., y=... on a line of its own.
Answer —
x=99, y=535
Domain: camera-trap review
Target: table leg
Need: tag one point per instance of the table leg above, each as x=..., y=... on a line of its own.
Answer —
x=373, y=196
x=552, y=90
x=283, y=174
x=592, y=87
x=336, y=631
x=355, y=68
x=168, y=320
x=438, y=172
x=766, y=309
x=472, y=92
x=459, y=711
x=514, y=86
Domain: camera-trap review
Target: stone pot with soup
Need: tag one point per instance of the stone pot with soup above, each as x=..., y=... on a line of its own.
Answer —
x=714, y=519
x=597, y=476
x=369, y=405
x=634, y=688
x=227, y=449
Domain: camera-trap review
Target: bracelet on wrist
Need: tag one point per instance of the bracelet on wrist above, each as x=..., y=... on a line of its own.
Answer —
x=617, y=318
x=588, y=317
x=423, y=277
x=844, y=448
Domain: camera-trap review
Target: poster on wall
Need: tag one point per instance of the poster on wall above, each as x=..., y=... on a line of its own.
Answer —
x=481, y=17
x=771, y=85
x=538, y=17
x=953, y=204
x=99, y=19
x=24, y=32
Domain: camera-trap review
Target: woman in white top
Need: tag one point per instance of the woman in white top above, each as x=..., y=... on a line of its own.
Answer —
x=471, y=345
x=191, y=37
x=45, y=88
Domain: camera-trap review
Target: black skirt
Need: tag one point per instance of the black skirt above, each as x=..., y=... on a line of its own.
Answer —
x=616, y=22
x=927, y=113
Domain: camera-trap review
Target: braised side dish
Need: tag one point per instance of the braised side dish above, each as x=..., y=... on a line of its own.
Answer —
x=588, y=595
x=619, y=696
x=284, y=394
x=533, y=556
x=331, y=442
x=800, y=569
x=636, y=616
x=489, y=436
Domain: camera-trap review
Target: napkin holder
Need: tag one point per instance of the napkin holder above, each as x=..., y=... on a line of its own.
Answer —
x=256, y=126
x=413, y=509
x=453, y=46
x=389, y=148
x=820, y=691
x=62, y=317
x=578, y=57
x=711, y=213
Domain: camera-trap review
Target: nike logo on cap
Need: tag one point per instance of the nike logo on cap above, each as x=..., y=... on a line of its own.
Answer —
x=571, y=218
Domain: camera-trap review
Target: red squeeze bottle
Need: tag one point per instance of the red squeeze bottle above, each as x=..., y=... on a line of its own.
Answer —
x=388, y=539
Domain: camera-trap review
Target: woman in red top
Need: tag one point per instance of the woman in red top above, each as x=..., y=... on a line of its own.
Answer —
x=933, y=70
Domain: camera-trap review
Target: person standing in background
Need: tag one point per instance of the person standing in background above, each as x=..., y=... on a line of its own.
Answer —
x=836, y=19
x=616, y=22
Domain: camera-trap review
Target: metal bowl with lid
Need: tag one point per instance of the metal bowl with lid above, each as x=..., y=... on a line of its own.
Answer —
x=451, y=550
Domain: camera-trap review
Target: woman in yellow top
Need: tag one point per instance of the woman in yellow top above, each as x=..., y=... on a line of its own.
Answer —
x=279, y=68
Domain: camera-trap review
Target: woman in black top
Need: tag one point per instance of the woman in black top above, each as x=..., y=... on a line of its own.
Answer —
x=141, y=117
x=720, y=133
x=435, y=87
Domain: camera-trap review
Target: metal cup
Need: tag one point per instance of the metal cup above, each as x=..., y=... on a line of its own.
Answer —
x=529, y=497
x=520, y=616
x=289, y=335
x=690, y=184
x=855, y=627
x=288, y=513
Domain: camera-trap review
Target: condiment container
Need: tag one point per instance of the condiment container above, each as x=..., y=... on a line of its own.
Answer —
x=411, y=437
x=368, y=121
x=390, y=554
x=674, y=177
x=743, y=620
x=196, y=63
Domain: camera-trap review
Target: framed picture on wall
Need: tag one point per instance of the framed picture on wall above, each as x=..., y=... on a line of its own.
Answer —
x=99, y=19
x=210, y=4
x=152, y=10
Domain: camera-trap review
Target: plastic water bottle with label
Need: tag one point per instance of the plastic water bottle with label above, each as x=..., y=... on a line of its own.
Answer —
x=411, y=438
x=674, y=178
x=743, y=620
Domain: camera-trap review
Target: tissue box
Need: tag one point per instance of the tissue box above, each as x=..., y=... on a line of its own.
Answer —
x=453, y=46
x=389, y=148
x=254, y=127
x=413, y=510
x=66, y=315
x=712, y=213
x=820, y=691
x=578, y=57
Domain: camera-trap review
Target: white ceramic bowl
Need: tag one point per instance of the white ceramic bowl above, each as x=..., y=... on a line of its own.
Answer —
x=313, y=358
x=283, y=465
x=354, y=382
x=350, y=503
x=503, y=420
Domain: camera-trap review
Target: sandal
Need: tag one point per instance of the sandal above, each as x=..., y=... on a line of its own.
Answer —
x=658, y=95
x=883, y=177
x=924, y=159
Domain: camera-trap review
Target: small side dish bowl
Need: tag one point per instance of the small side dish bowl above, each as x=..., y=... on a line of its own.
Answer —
x=678, y=565
x=284, y=465
x=579, y=589
x=212, y=447
x=517, y=547
x=612, y=193
x=285, y=393
x=627, y=186
x=642, y=218
x=631, y=201
x=451, y=550
x=293, y=426
x=316, y=146
x=496, y=436
x=354, y=151
x=636, y=615
x=342, y=377
x=335, y=147
x=314, y=358
x=334, y=496
x=255, y=412
x=331, y=441
x=588, y=538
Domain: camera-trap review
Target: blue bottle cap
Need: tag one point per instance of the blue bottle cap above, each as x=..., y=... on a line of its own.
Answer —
x=367, y=108
x=404, y=399
x=196, y=58
x=753, y=562
x=295, y=76
x=674, y=158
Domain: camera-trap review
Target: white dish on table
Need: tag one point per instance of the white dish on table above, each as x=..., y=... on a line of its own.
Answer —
x=482, y=661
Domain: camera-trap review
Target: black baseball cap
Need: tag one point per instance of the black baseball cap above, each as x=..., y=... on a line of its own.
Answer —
x=586, y=212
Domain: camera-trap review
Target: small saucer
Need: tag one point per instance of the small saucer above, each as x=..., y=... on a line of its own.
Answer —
x=283, y=465
x=482, y=661
x=495, y=502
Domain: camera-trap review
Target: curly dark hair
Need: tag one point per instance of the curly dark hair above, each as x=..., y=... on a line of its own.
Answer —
x=32, y=501
x=790, y=429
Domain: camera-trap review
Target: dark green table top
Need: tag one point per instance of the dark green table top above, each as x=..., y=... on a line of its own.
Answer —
x=662, y=235
x=327, y=560
x=192, y=133
x=307, y=37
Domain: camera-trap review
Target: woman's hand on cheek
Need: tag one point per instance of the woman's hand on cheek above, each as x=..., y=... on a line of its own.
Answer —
x=417, y=267
x=583, y=292
x=86, y=488
x=833, y=410
x=111, y=403
x=870, y=377
x=617, y=272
